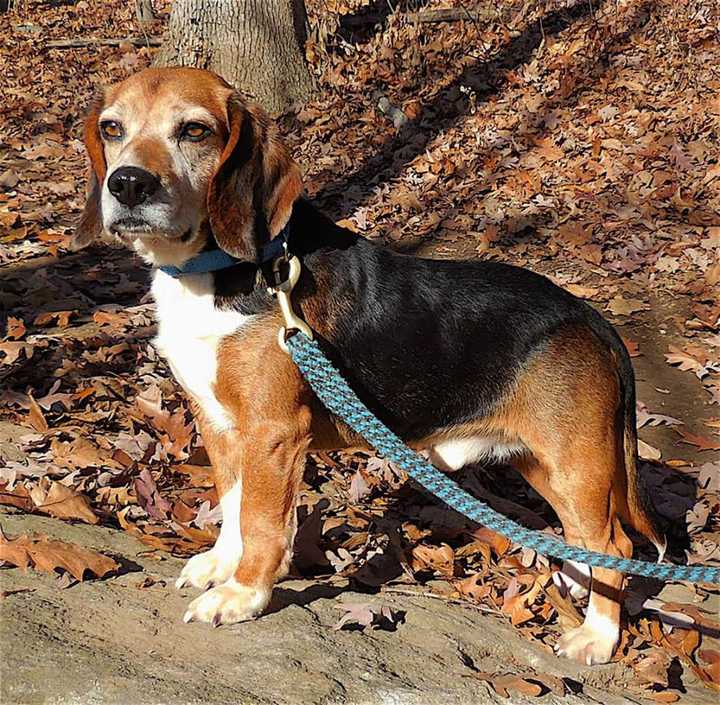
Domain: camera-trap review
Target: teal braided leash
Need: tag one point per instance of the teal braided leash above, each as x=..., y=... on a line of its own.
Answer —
x=337, y=396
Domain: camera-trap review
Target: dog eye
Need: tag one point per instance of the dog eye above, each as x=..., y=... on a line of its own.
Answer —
x=194, y=132
x=111, y=130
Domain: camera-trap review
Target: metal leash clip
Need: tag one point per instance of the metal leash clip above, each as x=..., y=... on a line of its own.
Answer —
x=282, y=290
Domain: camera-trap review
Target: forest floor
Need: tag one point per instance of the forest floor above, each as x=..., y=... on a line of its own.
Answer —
x=579, y=139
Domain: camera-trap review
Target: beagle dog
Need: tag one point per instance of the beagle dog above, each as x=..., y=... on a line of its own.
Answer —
x=465, y=360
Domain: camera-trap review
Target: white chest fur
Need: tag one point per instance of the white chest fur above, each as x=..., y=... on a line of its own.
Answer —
x=190, y=330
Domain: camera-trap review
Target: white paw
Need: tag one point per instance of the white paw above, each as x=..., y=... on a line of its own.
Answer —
x=227, y=604
x=574, y=578
x=207, y=569
x=588, y=645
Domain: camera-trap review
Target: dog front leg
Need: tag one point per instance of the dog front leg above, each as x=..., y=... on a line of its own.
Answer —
x=270, y=458
x=219, y=564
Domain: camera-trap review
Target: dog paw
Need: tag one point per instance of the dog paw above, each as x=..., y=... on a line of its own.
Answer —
x=213, y=567
x=228, y=603
x=588, y=644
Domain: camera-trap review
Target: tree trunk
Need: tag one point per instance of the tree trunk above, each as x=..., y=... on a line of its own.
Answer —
x=256, y=45
x=144, y=13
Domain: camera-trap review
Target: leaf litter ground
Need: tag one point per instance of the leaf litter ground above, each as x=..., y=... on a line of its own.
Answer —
x=578, y=140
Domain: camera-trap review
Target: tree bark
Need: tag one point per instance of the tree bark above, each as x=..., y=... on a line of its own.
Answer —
x=144, y=13
x=256, y=45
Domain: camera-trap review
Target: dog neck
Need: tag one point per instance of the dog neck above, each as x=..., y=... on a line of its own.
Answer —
x=243, y=287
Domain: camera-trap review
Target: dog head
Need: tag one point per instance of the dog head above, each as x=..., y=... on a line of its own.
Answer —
x=178, y=156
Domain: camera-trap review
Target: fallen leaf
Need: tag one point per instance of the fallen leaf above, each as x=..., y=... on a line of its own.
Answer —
x=582, y=292
x=694, y=439
x=12, y=349
x=440, y=559
x=149, y=497
x=364, y=615
x=206, y=516
x=689, y=363
x=472, y=588
x=19, y=497
x=713, y=670
x=620, y=306
x=709, y=476
x=9, y=179
x=36, y=417
x=503, y=685
x=49, y=318
x=648, y=452
x=499, y=543
x=359, y=488
x=48, y=555
x=62, y=502
x=648, y=418
x=15, y=328
x=664, y=696
x=632, y=347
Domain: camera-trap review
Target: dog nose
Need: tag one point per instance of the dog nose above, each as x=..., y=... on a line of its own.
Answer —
x=131, y=185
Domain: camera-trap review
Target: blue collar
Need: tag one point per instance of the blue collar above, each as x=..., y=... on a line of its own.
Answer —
x=217, y=259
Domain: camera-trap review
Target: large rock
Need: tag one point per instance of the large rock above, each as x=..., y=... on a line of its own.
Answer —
x=112, y=641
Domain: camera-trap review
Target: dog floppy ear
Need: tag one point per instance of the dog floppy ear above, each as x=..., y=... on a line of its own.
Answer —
x=90, y=225
x=251, y=194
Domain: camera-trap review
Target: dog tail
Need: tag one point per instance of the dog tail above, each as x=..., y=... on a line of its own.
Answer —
x=631, y=496
x=638, y=511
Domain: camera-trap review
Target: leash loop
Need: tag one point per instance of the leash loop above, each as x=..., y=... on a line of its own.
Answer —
x=282, y=290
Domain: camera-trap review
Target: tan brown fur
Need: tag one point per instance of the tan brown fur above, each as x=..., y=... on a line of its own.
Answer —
x=271, y=435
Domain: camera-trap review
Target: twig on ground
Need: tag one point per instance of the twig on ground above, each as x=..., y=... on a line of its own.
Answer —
x=90, y=41
x=437, y=596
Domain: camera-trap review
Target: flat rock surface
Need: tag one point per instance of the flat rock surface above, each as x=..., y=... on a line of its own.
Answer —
x=112, y=641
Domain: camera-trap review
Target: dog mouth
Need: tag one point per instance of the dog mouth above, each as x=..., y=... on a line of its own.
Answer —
x=131, y=228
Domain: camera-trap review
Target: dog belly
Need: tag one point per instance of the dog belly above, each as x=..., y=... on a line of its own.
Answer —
x=454, y=454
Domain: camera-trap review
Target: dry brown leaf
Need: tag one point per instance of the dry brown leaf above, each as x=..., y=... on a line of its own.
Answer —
x=15, y=328
x=115, y=496
x=59, y=318
x=19, y=497
x=712, y=671
x=182, y=513
x=12, y=349
x=503, y=685
x=62, y=502
x=621, y=306
x=36, y=417
x=9, y=179
x=567, y=612
x=648, y=452
x=365, y=615
x=632, y=346
x=499, y=543
x=149, y=496
x=116, y=320
x=582, y=292
x=653, y=668
x=700, y=442
x=713, y=274
x=437, y=558
x=471, y=588
x=664, y=696
x=688, y=362
x=474, y=547
x=48, y=555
